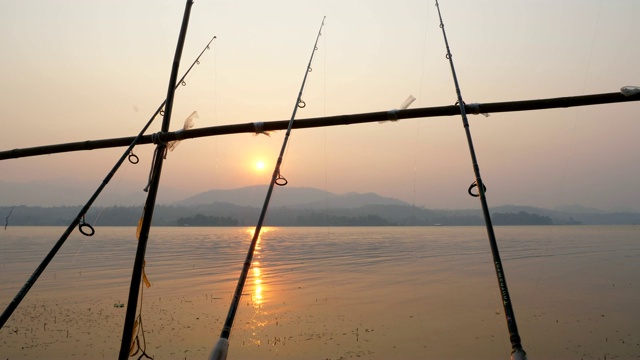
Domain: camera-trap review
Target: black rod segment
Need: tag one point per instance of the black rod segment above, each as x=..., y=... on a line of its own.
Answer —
x=517, y=352
x=156, y=170
x=219, y=352
x=276, y=172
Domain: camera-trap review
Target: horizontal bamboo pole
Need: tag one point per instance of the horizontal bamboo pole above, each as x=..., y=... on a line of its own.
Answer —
x=258, y=127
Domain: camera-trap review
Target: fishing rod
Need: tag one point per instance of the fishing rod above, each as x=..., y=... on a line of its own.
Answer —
x=154, y=182
x=221, y=348
x=517, y=352
x=83, y=226
x=257, y=127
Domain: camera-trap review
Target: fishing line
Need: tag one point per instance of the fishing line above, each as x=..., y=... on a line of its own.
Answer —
x=569, y=154
x=281, y=181
x=518, y=352
x=324, y=129
x=220, y=350
x=84, y=238
x=324, y=133
x=414, y=287
x=215, y=117
x=337, y=306
x=571, y=143
x=419, y=123
x=302, y=104
x=324, y=75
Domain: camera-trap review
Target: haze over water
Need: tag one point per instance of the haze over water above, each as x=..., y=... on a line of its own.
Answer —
x=334, y=293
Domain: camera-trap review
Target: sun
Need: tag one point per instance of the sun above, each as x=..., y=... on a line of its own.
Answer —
x=260, y=165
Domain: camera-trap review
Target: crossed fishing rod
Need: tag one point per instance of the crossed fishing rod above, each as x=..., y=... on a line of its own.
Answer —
x=161, y=139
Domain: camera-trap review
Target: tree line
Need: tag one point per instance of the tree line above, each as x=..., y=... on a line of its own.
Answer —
x=234, y=215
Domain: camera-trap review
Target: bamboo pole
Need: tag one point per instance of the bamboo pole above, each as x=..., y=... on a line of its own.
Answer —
x=253, y=127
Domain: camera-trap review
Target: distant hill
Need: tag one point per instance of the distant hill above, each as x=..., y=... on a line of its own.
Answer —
x=579, y=209
x=289, y=196
x=300, y=206
x=575, y=214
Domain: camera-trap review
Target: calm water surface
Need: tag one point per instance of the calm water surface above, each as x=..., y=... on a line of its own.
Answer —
x=329, y=293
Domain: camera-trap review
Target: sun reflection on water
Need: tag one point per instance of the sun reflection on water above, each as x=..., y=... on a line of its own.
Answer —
x=257, y=294
x=261, y=316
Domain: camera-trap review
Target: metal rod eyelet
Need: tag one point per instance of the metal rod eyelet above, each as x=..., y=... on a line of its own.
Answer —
x=83, y=225
x=474, y=185
x=133, y=158
x=281, y=181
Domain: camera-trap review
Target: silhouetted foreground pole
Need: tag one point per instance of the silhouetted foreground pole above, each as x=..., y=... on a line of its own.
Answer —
x=517, y=352
x=134, y=289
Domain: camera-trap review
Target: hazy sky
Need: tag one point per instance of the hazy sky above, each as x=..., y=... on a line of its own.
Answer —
x=80, y=70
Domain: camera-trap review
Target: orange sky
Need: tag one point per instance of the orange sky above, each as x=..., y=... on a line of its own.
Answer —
x=76, y=71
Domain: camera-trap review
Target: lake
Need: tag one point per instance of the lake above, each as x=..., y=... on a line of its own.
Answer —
x=329, y=293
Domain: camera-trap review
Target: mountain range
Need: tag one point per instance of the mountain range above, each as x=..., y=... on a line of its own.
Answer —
x=67, y=192
x=289, y=196
x=300, y=206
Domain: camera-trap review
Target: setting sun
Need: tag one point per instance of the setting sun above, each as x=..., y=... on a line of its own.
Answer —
x=260, y=165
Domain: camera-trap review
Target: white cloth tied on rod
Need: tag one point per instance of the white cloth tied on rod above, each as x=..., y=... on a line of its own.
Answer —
x=475, y=109
x=630, y=90
x=392, y=115
x=407, y=102
x=188, y=124
x=258, y=127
